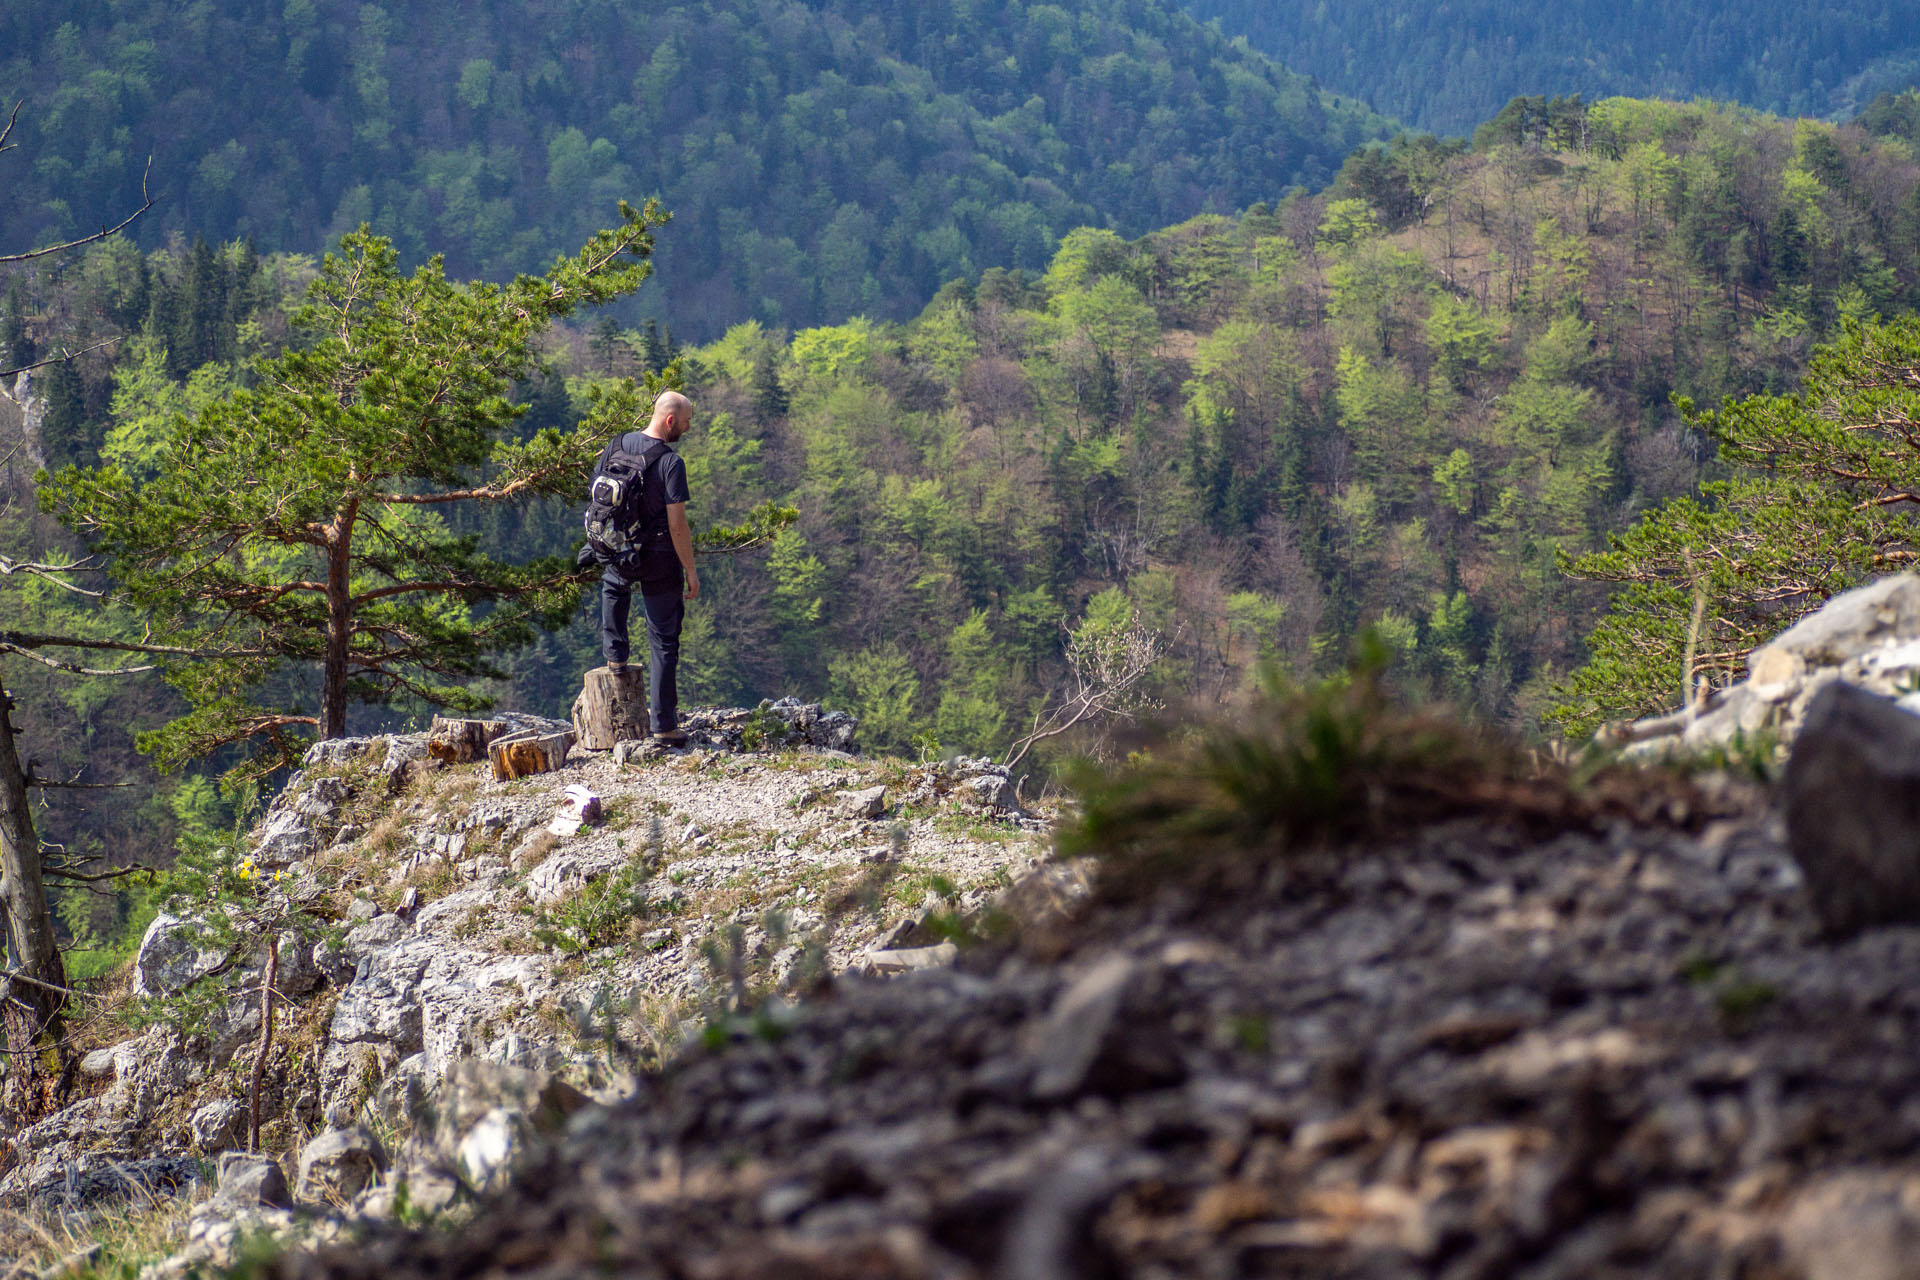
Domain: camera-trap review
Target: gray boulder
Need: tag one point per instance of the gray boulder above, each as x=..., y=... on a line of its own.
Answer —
x=483, y=1119
x=215, y=1125
x=172, y=957
x=248, y=1181
x=868, y=802
x=1853, y=809
x=340, y=1164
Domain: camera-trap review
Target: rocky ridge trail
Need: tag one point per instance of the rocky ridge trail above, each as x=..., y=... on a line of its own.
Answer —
x=1618, y=1053
x=477, y=921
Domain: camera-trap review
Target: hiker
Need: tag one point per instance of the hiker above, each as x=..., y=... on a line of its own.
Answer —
x=637, y=530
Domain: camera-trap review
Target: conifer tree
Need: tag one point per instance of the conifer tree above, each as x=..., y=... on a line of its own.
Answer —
x=1825, y=499
x=297, y=520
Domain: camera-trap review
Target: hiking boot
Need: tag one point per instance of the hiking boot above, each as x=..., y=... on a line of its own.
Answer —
x=671, y=737
x=616, y=668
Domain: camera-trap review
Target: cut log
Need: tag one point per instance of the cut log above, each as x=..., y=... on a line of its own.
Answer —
x=611, y=708
x=462, y=741
x=518, y=755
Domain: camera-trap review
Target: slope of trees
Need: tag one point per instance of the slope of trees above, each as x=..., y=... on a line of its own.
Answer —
x=1233, y=440
x=1449, y=67
x=823, y=159
x=1399, y=404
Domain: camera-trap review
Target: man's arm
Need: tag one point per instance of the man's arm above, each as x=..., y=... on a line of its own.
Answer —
x=682, y=537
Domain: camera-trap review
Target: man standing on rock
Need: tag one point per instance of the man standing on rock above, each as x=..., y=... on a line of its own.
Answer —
x=661, y=564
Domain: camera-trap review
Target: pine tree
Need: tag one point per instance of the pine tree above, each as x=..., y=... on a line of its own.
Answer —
x=1824, y=500
x=297, y=521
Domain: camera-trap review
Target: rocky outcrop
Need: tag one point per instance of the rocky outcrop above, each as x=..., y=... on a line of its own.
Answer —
x=480, y=951
x=1868, y=637
x=1466, y=1054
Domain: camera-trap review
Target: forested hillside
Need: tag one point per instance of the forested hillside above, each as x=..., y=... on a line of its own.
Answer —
x=823, y=159
x=1233, y=439
x=1396, y=404
x=1448, y=67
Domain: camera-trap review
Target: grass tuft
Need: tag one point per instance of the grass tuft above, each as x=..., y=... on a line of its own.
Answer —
x=1307, y=767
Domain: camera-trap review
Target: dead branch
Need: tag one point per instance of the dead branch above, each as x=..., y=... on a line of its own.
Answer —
x=64, y=355
x=147, y=201
x=1104, y=671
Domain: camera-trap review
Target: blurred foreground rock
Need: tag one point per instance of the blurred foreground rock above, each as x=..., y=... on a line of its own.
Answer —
x=1852, y=793
x=1471, y=1053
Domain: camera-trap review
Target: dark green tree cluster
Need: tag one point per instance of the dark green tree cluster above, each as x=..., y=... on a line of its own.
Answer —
x=1448, y=68
x=823, y=159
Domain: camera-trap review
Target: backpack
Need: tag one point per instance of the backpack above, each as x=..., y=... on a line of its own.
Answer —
x=614, y=508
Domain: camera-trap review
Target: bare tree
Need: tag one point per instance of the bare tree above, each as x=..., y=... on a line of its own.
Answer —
x=1105, y=671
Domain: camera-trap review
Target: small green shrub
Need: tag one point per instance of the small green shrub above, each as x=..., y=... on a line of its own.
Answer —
x=605, y=911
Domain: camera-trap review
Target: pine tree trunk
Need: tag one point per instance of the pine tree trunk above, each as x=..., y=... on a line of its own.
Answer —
x=266, y=1041
x=32, y=996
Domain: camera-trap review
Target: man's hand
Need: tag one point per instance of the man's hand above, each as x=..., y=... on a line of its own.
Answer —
x=693, y=584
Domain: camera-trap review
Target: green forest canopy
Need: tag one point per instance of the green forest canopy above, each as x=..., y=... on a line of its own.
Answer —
x=822, y=159
x=1448, y=67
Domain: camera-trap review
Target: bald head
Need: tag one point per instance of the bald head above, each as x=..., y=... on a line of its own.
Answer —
x=672, y=415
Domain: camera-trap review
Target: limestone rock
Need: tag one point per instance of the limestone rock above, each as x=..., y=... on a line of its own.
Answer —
x=485, y=1118
x=215, y=1125
x=1853, y=809
x=248, y=1180
x=339, y=1164
x=171, y=957
x=905, y=960
x=868, y=802
x=335, y=752
x=1856, y=1225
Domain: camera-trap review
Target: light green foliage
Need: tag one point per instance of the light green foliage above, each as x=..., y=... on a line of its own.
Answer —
x=1086, y=254
x=1374, y=289
x=834, y=350
x=1346, y=224
x=1249, y=372
x=1454, y=477
x=1383, y=415
x=943, y=340
x=1459, y=335
x=797, y=577
x=1255, y=619
x=972, y=714
x=881, y=687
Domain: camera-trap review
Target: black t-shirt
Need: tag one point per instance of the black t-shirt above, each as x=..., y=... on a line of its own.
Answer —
x=665, y=484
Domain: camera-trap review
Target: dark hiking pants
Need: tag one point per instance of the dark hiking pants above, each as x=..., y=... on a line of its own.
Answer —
x=664, y=606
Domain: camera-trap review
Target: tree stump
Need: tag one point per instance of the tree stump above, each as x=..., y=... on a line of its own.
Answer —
x=610, y=708
x=519, y=754
x=462, y=741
